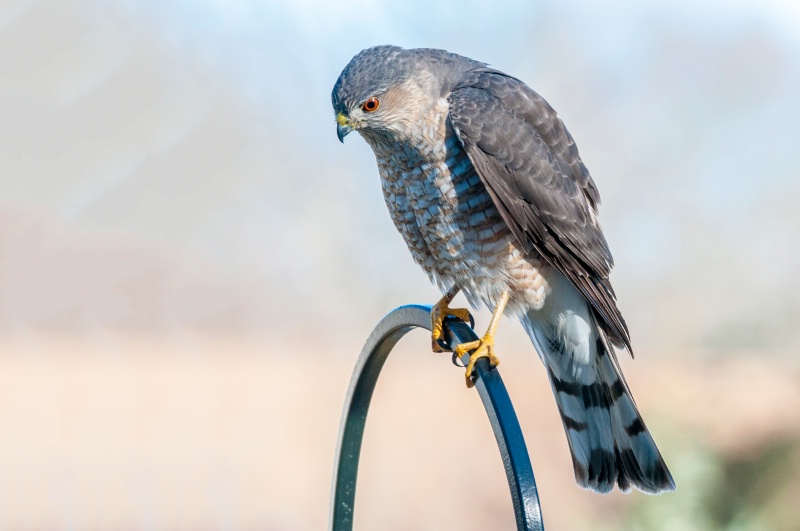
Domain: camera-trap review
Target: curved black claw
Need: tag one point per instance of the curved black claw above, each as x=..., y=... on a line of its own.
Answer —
x=471, y=319
x=456, y=361
x=444, y=345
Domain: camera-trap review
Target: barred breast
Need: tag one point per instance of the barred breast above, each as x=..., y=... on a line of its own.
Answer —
x=449, y=222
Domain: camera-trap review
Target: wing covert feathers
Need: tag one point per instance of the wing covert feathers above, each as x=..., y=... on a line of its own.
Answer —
x=530, y=165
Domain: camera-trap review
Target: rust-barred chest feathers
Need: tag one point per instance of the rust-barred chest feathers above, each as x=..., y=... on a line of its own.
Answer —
x=447, y=218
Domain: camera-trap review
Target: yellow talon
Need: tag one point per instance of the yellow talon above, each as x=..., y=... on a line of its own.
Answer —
x=439, y=312
x=483, y=348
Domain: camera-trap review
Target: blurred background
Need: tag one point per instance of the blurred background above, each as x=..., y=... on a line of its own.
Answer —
x=190, y=263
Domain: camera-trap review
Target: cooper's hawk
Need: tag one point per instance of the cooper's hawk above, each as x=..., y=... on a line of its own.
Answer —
x=486, y=186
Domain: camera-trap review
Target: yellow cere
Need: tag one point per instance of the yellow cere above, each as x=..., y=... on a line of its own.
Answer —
x=341, y=119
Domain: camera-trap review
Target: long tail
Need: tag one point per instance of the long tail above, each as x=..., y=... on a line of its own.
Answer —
x=607, y=437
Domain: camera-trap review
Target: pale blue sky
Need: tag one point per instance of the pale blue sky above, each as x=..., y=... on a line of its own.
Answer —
x=203, y=131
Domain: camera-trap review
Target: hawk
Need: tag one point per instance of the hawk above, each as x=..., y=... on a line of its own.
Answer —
x=486, y=186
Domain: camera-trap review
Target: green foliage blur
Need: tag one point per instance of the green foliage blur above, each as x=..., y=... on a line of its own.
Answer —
x=755, y=491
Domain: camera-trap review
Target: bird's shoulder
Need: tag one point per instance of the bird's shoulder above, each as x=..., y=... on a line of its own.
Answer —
x=493, y=106
x=531, y=167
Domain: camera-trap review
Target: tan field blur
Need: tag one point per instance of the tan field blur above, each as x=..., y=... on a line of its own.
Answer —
x=190, y=263
x=204, y=433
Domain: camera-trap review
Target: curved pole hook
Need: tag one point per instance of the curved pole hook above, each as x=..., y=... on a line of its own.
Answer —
x=490, y=388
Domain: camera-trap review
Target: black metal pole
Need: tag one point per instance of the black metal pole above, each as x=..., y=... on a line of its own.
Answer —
x=493, y=394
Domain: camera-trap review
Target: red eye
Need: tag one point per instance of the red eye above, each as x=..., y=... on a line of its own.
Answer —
x=371, y=105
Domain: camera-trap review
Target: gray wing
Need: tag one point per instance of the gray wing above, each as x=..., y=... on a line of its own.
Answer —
x=530, y=165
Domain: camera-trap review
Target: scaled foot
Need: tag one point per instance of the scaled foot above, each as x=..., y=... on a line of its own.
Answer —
x=483, y=348
x=439, y=313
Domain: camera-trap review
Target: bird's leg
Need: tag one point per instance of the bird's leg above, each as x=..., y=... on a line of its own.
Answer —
x=441, y=310
x=484, y=347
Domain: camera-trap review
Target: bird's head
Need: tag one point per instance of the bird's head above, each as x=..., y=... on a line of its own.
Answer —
x=384, y=89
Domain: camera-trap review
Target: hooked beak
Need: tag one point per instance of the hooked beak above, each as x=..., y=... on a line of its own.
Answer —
x=343, y=126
